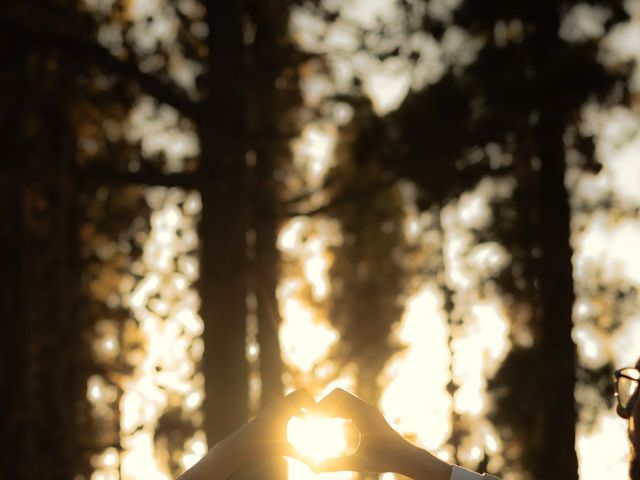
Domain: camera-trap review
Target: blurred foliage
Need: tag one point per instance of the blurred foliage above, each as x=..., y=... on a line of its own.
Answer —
x=518, y=97
x=367, y=275
x=227, y=77
x=46, y=426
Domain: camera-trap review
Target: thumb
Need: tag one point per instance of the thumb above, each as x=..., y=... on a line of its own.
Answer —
x=289, y=450
x=339, y=464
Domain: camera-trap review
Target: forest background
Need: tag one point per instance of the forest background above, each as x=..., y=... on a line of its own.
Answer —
x=433, y=204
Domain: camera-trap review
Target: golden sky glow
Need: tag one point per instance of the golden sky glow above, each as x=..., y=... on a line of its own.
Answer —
x=162, y=343
x=415, y=399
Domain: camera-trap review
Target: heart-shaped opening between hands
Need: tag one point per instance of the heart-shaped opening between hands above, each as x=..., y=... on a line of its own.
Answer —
x=316, y=438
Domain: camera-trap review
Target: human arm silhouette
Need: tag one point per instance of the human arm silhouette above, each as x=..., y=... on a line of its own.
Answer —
x=263, y=437
x=381, y=448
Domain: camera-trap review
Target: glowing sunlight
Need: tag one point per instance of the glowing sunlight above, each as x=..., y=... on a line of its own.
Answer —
x=317, y=438
x=415, y=398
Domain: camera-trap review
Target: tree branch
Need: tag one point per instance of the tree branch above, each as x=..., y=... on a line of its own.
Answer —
x=343, y=197
x=97, y=175
x=91, y=52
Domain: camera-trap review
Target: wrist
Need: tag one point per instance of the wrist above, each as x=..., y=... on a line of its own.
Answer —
x=422, y=465
x=219, y=462
x=233, y=448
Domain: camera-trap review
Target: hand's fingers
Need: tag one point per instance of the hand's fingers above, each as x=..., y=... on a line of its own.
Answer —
x=340, y=403
x=352, y=436
x=273, y=448
x=350, y=463
x=297, y=400
x=289, y=450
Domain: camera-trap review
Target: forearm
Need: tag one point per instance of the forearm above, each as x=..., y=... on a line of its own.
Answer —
x=422, y=465
x=218, y=464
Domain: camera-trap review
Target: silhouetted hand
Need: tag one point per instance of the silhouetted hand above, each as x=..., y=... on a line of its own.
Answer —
x=266, y=434
x=380, y=445
x=381, y=448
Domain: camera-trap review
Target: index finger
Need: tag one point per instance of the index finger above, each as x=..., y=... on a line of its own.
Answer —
x=298, y=400
x=340, y=403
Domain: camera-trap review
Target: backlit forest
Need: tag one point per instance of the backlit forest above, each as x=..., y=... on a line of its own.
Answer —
x=434, y=204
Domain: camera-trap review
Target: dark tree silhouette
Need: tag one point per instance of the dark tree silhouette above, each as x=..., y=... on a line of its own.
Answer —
x=44, y=365
x=59, y=84
x=522, y=93
x=241, y=105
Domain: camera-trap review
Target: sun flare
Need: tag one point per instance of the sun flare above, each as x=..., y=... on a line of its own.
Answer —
x=319, y=438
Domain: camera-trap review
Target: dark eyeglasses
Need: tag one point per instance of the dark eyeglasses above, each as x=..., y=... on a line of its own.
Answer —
x=626, y=382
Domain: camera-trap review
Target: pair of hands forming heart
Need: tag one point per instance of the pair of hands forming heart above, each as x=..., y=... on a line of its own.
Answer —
x=380, y=448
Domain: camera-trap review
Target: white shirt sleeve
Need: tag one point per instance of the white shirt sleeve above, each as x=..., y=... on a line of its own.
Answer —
x=459, y=473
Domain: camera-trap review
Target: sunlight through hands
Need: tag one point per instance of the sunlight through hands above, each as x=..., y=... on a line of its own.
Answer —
x=316, y=438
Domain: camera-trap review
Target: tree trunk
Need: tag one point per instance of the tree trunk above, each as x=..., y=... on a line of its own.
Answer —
x=44, y=369
x=269, y=107
x=267, y=270
x=557, y=459
x=14, y=341
x=272, y=112
x=223, y=290
x=223, y=267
